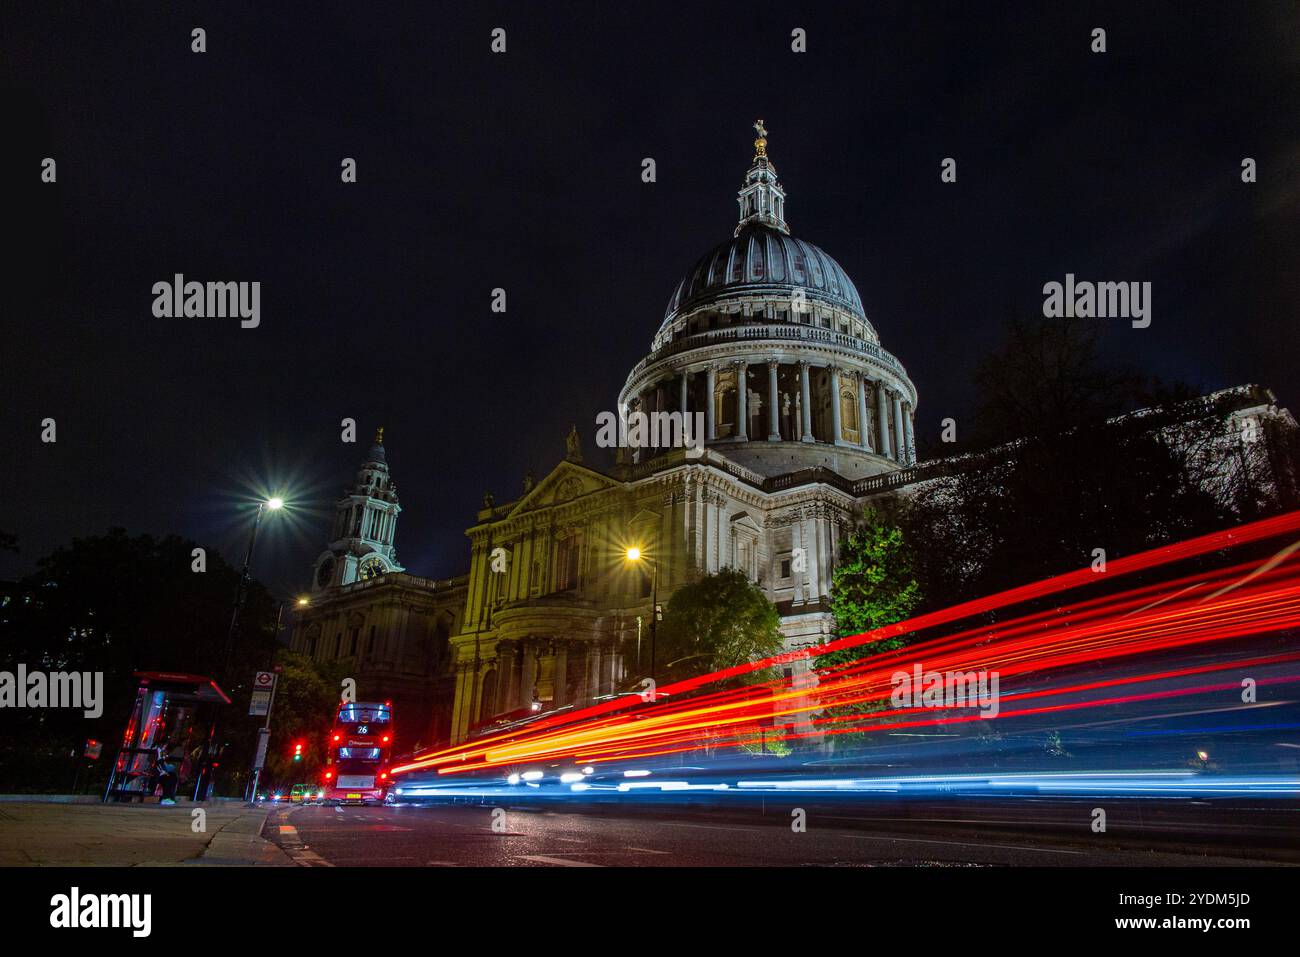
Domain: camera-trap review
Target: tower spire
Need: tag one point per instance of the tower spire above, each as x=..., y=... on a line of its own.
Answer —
x=761, y=198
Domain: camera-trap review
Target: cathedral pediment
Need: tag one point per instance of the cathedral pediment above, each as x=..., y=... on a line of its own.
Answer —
x=566, y=482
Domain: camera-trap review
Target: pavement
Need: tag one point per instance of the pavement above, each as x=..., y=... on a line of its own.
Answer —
x=903, y=834
x=40, y=833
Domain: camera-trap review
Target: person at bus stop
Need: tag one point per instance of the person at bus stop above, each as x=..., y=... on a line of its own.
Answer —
x=168, y=764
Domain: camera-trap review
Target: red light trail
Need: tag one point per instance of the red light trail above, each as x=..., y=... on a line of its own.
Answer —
x=1236, y=601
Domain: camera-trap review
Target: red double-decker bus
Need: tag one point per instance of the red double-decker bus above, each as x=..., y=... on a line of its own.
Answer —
x=357, y=753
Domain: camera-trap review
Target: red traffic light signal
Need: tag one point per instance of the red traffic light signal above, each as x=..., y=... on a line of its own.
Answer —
x=297, y=750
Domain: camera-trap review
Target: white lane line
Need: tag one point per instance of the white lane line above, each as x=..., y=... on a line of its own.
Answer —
x=308, y=858
x=917, y=840
x=301, y=855
x=556, y=861
x=708, y=827
x=647, y=850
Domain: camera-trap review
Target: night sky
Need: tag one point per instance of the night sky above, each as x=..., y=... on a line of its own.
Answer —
x=522, y=171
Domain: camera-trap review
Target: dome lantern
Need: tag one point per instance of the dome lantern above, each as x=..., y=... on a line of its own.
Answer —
x=761, y=198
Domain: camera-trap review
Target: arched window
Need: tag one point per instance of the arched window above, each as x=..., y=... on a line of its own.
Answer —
x=566, y=565
x=849, y=415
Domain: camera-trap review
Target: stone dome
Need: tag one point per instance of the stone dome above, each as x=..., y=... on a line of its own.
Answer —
x=766, y=353
x=761, y=259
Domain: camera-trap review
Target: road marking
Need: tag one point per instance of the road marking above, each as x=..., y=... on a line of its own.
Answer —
x=557, y=861
x=917, y=840
x=339, y=810
x=647, y=850
x=299, y=852
x=709, y=827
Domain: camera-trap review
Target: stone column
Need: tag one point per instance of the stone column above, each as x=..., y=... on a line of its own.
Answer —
x=882, y=409
x=593, y=669
x=826, y=548
x=837, y=432
x=561, y=678
x=742, y=400
x=774, y=420
x=529, y=678
x=685, y=385
x=710, y=386
x=460, y=720
x=863, y=439
x=812, y=549
x=580, y=671
x=900, y=453
x=796, y=541
x=506, y=668
x=609, y=668
x=911, y=439
x=805, y=390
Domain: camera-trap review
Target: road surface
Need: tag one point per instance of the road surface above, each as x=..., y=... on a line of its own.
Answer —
x=933, y=834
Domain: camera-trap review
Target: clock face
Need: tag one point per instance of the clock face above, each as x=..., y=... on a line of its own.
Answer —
x=371, y=568
x=325, y=572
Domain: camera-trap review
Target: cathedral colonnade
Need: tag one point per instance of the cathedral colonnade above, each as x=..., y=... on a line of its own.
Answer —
x=545, y=672
x=787, y=399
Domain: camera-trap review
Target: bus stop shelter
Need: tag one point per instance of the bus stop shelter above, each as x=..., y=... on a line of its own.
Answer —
x=170, y=708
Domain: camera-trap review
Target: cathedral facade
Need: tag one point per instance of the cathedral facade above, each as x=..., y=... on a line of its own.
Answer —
x=806, y=419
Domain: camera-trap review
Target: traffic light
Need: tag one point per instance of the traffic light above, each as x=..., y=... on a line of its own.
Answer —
x=297, y=751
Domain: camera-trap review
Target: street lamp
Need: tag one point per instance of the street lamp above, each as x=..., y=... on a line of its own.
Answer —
x=274, y=503
x=635, y=554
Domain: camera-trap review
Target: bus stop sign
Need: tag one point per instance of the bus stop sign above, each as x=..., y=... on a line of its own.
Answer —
x=259, y=702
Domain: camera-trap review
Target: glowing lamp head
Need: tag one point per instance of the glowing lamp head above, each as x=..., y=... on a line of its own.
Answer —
x=634, y=554
x=275, y=503
x=304, y=602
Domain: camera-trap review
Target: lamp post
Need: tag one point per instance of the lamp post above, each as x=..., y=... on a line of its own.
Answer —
x=635, y=554
x=275, y=503
x=265, y=730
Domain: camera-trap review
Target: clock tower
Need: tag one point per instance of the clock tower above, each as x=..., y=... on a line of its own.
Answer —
x=365, y=523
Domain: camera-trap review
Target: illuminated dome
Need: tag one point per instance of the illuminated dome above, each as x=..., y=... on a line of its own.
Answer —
x=766, y=337
x=761, y=259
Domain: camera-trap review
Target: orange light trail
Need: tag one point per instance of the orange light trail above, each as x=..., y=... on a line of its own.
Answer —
x=1243, y=599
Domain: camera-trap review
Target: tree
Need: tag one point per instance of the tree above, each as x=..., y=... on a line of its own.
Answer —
x=872, y=586
x=716, y=622
x=1046, y=376
x=116, y=604
x=306, y=697
x=1073, y=469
